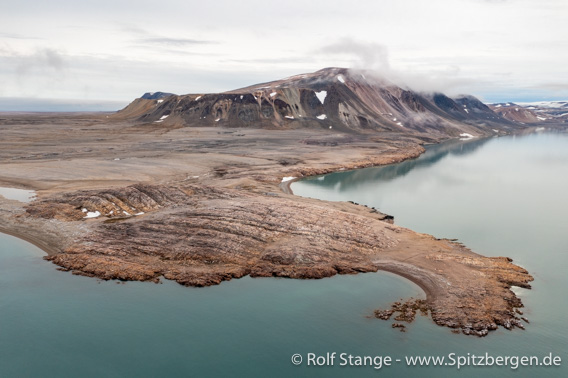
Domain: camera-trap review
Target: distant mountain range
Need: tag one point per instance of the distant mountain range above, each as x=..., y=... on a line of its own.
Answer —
x=341, y=99
x=533, y=112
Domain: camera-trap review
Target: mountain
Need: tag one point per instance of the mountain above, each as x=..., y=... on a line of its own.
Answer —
x=156, y=95
x=533, y=112
x=332, y=98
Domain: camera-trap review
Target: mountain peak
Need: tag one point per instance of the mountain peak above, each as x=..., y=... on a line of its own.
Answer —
x=156, y=95
x=341, y=99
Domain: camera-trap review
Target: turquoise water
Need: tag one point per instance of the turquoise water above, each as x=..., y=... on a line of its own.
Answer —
x=501, y=197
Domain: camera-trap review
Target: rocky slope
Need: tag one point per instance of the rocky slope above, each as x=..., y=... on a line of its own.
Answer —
x=341, y=99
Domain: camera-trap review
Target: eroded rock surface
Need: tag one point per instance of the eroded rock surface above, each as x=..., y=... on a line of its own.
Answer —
x=201, y=236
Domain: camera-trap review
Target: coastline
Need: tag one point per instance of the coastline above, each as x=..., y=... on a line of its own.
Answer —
x=47, y=248
x=212, y=207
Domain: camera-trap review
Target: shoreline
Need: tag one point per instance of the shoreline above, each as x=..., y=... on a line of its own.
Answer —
x=44, y=246
x=206, y=209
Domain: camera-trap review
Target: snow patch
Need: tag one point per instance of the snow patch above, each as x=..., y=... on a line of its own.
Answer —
x=466, y=136
x=541, y=118
x=218, y=119
x=321, y=116
x=84, y=210
x=197, y=98
x=125, y=212
x=140, y=213
x=242, y=97
x=161, y=119
x=321, y=95
x=341, y=79
x=273, y=94
x=289, y=117
x=284, y=179
x=467, y=111
x=539, y=129
x=92, y=214
x=160, y=101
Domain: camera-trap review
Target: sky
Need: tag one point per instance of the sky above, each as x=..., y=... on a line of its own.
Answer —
x=100, y=55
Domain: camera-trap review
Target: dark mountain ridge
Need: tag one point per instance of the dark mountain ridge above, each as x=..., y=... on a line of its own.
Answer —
x=332, y=98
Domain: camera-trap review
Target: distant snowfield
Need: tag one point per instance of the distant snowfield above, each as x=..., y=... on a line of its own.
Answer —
x=546, y=104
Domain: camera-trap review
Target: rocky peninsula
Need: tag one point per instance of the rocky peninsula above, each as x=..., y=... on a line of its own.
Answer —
x=120, y=198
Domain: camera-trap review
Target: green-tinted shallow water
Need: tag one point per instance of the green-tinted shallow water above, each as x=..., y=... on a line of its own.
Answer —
x=505, y=196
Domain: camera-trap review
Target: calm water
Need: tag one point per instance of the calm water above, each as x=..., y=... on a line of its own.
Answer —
x=21, y=195
x=502, y=197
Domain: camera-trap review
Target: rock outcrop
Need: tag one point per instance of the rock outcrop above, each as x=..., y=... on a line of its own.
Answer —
x=200, y=236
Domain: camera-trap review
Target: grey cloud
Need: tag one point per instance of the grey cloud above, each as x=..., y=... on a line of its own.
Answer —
x=371, y=56
x=165, y=41
x=446, y=80
x=552, y=86
x=16, y=36
x=146, y=37
x=492, y=1
x=42, y=59
x=374, y=58
x=268, y=60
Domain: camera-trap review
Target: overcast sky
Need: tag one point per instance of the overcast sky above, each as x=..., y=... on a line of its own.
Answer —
x=92, y=52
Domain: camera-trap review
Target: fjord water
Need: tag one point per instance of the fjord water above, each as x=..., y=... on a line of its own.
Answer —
x=504, y=196
x=501, y=197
